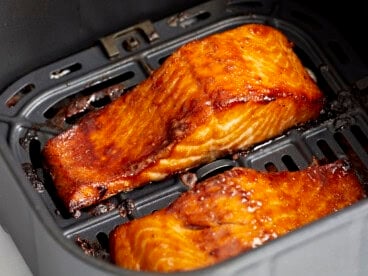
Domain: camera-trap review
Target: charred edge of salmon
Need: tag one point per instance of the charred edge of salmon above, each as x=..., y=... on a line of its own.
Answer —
x=94, y=193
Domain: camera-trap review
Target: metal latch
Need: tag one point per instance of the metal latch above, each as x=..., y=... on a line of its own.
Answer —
x=145, y=27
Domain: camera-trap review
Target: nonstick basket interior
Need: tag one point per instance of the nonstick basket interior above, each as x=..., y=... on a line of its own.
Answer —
x=53, y=98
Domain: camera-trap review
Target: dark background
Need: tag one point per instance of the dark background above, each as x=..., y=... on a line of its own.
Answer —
x=34, y=33
x=349, y=17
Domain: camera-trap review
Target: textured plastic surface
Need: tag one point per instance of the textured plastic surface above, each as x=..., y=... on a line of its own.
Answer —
x=35, y=33
x=32, y=106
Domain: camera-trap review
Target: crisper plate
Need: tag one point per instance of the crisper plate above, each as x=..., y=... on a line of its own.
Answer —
x=51, y=99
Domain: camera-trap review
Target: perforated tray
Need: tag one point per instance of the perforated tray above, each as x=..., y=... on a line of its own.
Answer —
x=37, y=107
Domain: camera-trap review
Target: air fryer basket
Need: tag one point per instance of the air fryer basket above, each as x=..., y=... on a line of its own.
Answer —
x=52, y=98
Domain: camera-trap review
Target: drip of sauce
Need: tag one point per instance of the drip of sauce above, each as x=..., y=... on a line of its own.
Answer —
x=80, y=105
x=92, y=249
x=32, y=176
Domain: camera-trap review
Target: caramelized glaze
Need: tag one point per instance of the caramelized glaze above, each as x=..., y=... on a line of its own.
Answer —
x=212, y=97
x=231, y=213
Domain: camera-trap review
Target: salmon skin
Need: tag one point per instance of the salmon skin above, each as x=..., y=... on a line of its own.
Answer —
x=231, y=213
x=212, y=97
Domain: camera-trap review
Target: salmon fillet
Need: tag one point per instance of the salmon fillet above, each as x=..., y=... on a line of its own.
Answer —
x=231, y=213
x=212, y=97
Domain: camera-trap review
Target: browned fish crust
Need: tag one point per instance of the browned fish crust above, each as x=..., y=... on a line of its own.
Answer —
x=212, y=97
x=231, y=213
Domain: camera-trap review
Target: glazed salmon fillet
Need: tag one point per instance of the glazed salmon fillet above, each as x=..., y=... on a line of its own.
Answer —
x=231, y=213
x=212, y=97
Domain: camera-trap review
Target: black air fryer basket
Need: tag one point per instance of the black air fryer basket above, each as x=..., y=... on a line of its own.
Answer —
x=53, y=96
